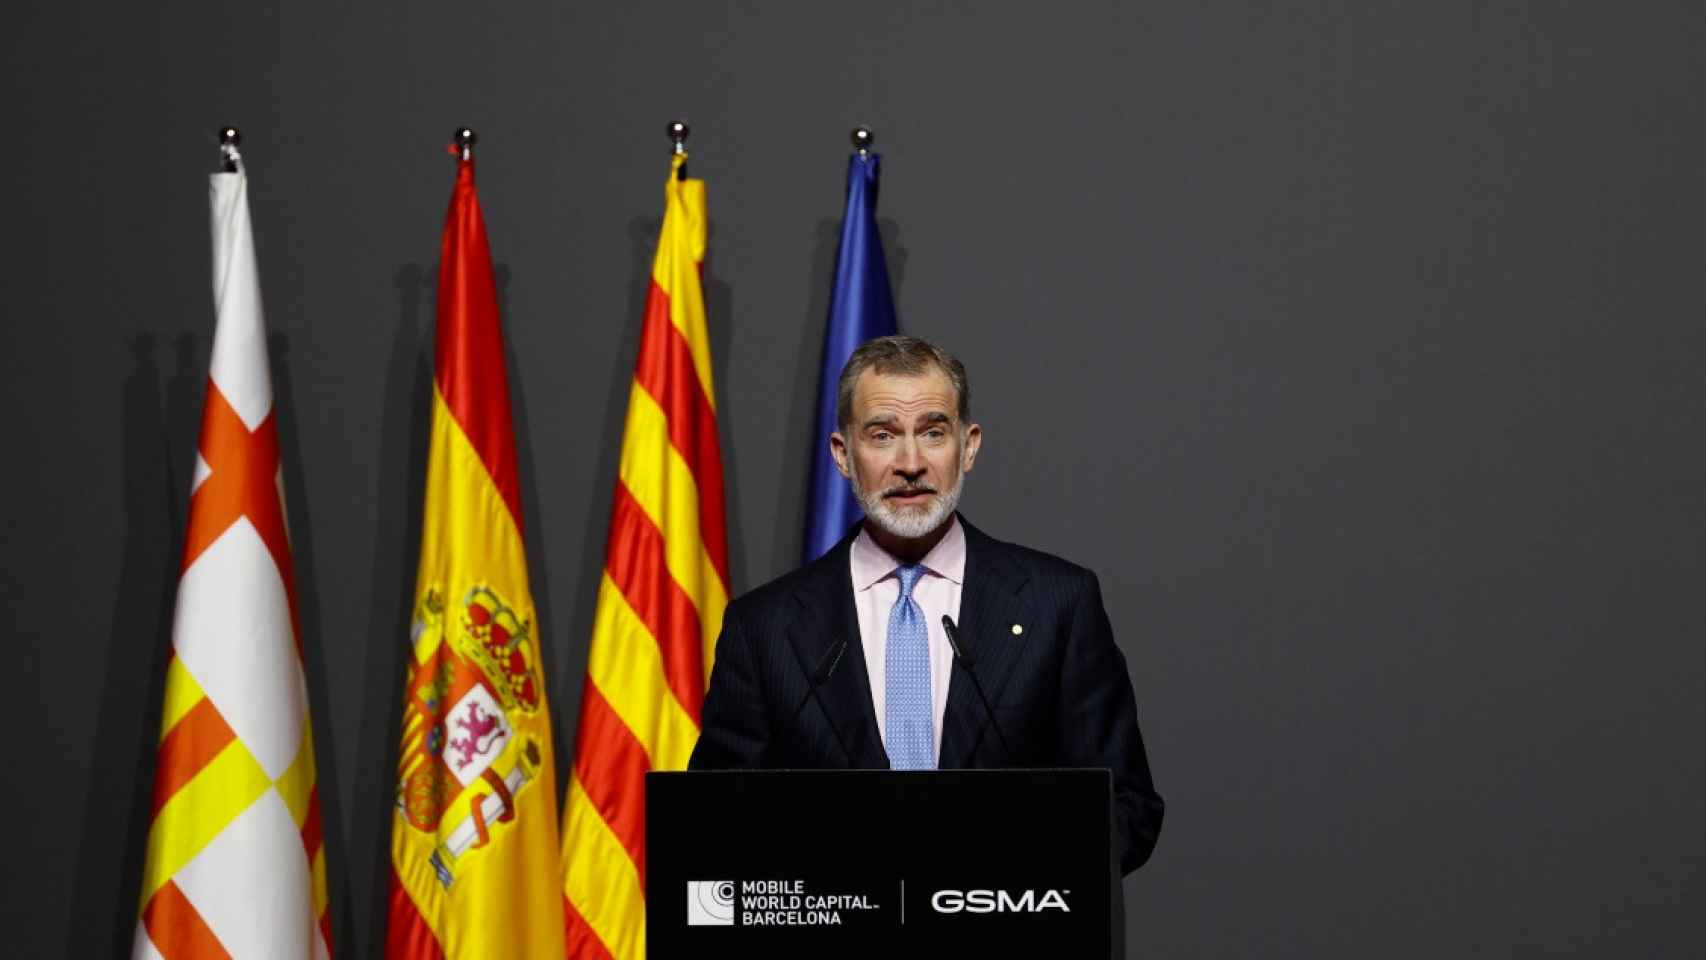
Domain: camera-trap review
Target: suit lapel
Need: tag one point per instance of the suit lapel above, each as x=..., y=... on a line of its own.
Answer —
x=827, y=617
x=991, y=602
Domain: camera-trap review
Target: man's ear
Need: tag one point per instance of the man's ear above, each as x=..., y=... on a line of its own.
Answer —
x=974, y=440
x=838, y=450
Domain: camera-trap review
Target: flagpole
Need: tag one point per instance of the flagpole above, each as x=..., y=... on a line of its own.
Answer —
x=464, y=140
x=678, y=131
x=863, y=139
x=230, y=161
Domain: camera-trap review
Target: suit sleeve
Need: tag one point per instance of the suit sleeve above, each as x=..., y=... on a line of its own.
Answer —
x=734, y=731
x=1098, y=725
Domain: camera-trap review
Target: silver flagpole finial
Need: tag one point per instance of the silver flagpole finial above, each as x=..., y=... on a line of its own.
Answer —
x=678, y=131
x=464, y=140
x=862, y=138
x=230, y=160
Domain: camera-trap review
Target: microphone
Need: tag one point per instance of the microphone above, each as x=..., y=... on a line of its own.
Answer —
x=964, y=658
x=826, y=665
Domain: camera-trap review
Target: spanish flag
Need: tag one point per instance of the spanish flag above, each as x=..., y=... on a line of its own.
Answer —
x=660, y=602
x=235, y=864
x=474, y=832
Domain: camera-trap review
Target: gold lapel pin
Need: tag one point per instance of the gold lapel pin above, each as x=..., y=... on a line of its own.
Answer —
x=1017, y=629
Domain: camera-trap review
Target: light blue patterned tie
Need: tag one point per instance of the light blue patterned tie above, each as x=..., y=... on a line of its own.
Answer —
x=908, y=735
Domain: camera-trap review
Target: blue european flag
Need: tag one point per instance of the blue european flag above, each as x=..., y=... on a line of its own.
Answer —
x=861, y=307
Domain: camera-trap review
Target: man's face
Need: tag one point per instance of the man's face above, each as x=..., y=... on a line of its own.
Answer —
x=906, y=452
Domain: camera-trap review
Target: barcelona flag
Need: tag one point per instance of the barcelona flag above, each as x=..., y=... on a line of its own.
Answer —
x=235, y=819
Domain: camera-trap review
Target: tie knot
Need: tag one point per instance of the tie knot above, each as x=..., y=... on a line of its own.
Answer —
x=908, y=574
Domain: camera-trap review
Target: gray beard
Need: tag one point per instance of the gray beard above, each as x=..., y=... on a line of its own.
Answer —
x=907, y=523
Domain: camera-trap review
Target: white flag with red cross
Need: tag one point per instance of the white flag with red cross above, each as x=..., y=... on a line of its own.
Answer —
x=235, y=863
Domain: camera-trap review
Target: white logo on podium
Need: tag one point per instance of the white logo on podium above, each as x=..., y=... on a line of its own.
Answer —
x=710, y=903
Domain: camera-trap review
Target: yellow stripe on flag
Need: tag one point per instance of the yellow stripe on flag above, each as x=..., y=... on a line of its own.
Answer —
x=469, y=534
x=627, y=666
x=601, y=881
x=297, y=781
x=318, y=869
x=670, y=499
x=675, y=269
x=199, y=810
x=182, y=694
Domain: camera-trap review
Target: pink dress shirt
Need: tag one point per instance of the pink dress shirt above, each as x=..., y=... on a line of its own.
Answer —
x=875, y=588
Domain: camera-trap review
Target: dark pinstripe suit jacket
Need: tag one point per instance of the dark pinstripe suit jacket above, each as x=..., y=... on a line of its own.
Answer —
x=1059, y=687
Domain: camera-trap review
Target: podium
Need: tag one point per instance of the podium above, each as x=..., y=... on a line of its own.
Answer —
x=834, y=863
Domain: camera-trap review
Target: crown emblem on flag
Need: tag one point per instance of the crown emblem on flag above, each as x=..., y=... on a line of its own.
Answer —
x=507, y=645
x=461, y=757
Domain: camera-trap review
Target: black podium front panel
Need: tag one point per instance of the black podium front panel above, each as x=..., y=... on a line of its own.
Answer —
x=847, y=863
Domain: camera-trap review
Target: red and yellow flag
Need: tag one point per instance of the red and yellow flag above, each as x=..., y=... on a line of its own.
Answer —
x=661, y=600
x=474, y=833
x=235, y=864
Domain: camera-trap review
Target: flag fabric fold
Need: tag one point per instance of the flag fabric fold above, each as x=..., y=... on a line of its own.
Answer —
x=661, y=597
x=861, y=307
x=235, y=817
x=474, y=832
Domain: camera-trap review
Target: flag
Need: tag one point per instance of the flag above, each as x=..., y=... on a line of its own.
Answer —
x=236, y=808
x=474, y=833
x=660, y=600
x=860, y=308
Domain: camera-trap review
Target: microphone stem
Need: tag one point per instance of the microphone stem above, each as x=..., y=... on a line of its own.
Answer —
x=963, y=657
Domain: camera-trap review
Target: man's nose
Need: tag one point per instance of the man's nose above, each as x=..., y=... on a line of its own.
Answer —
x=909, y=461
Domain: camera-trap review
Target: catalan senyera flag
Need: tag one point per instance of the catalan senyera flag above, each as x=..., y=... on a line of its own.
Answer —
x=660, y=601
x=474, y=833
x=235, y=864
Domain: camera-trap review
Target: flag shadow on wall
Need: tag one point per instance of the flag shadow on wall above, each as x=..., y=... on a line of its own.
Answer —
x=399, y=488
x=114, y=826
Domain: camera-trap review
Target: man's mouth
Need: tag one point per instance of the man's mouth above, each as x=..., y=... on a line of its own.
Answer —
x=908, y=493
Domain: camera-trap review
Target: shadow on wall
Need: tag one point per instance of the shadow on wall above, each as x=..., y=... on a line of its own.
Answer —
x=309, y=621
x=571, y=664
x=533, y=536
x=400, y=486
x=184, y=397
x=720, y=319
x=108, y=878
x=532, y=530
x=791, y=506
x=894, y=255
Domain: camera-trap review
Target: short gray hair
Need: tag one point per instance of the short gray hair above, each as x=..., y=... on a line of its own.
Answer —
x=907, y=357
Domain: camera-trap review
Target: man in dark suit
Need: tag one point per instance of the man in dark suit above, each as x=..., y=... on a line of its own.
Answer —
x=863, y=623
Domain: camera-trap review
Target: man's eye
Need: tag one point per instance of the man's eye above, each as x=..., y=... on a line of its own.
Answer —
x=880, y=435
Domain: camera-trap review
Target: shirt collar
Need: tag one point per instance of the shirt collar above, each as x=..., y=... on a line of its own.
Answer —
x=947, y=559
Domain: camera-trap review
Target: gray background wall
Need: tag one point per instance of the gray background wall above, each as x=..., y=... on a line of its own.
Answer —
x=1358, y=346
